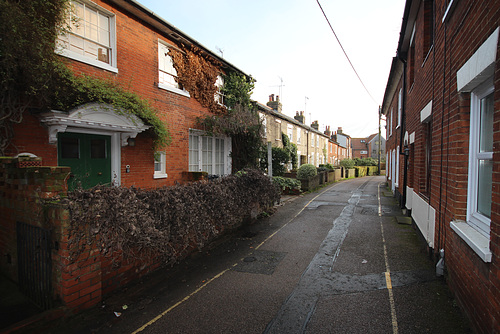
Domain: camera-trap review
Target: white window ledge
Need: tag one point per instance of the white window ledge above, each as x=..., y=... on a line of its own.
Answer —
x=160, y=176
x=174, y=90
x=89, y=61
x=477, y=241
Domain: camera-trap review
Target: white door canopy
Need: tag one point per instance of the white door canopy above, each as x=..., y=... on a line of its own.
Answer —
x=93, y=118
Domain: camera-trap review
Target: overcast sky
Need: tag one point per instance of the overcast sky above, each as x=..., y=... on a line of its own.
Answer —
x=288, y=43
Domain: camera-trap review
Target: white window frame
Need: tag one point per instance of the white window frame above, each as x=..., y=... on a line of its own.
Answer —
x=396, y=172
x=390, y=122
x=299, y=132
x=199, y=150
x=162, y=160
x=290, y=132
x=475, y=218
x=112, y=65
x=163, y=57
x=220, y=98
x=263, y=119
x=400, y=107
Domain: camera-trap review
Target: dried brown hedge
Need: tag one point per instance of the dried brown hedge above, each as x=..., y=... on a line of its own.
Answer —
x=167, y=221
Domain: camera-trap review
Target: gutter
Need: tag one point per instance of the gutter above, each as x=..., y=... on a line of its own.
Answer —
x=148, y=16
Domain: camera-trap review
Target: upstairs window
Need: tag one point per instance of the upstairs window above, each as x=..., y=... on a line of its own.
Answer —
x=91, y=37
x=400, y=107
x=167, y=73
x=428, y=27
x=219, y=95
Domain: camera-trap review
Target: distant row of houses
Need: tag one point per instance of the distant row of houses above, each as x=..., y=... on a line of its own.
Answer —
x=442, y=104
x=313, y=146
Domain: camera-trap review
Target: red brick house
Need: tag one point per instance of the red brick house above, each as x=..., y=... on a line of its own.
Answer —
x=367, y=147
x=441, y=104
x=122, y=41
x=359, y=147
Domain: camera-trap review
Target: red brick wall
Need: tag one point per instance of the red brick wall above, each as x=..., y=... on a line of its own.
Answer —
x=476, y=284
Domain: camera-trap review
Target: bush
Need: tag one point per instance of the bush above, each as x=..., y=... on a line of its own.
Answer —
x=280, y=159
x=168, y=221
x=327, y=166
x=347, y=163
x=365, y=162
x=286, y=183
x=306, y=171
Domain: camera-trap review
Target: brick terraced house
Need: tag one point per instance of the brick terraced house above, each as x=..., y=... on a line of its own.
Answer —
x=442, y=104
x=122, y=41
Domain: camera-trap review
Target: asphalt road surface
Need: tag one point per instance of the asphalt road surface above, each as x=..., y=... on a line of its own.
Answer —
x=333, y=261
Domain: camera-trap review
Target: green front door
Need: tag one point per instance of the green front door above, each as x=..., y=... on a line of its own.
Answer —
x=89, y=157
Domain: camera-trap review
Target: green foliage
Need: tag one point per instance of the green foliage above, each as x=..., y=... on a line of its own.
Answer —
x=347, y=163
x=306, y=171
x=286, y=183
x=169, y=221
x=28, y=31
x=237, y=90
x=72, y=91
x=328, y=166
x=291, y=148
x=365, y=162
x=280, y=157
x=369, y=162
x=240, y=121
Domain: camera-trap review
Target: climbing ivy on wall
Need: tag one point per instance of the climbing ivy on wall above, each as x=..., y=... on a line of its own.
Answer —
x=197, y=73
x=72, y=91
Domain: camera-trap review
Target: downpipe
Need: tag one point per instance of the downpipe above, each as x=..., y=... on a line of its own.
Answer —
x=440, y=265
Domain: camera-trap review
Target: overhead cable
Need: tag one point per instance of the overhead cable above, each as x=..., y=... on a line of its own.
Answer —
x=328, y=21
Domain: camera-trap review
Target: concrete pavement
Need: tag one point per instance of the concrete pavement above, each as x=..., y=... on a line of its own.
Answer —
x=334, y=261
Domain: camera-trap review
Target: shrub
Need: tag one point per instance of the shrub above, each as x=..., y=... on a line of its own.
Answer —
x=347, y=163
x=286, y=183
x=280, y=159
x=328, y=166
x=306, y=171
x=168, y=221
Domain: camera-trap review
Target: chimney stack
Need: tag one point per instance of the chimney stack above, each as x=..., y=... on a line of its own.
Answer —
x=327, y=131
x=274, y=104
x=339, y=131
x=299, y=117
x=315, y=125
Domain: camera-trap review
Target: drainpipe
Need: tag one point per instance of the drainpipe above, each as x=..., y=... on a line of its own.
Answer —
x=403, y=150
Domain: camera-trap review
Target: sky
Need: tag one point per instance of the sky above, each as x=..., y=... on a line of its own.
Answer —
x=289, y=48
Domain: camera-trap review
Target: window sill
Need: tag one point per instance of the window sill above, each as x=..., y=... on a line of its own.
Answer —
x=477, y=241
x=174, y=90
x=86, y=60
x=160, y=176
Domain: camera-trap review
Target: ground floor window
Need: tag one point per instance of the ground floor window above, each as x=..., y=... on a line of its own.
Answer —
x=209, y=154
x=481, y=158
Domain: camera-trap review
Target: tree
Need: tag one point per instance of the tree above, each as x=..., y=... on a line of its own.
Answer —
x=28, y=64
x=240, y=121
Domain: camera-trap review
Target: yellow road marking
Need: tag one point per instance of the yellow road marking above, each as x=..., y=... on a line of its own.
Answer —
x=388, y=281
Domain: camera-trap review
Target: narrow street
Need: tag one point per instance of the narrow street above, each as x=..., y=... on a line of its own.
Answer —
x=334, y=261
